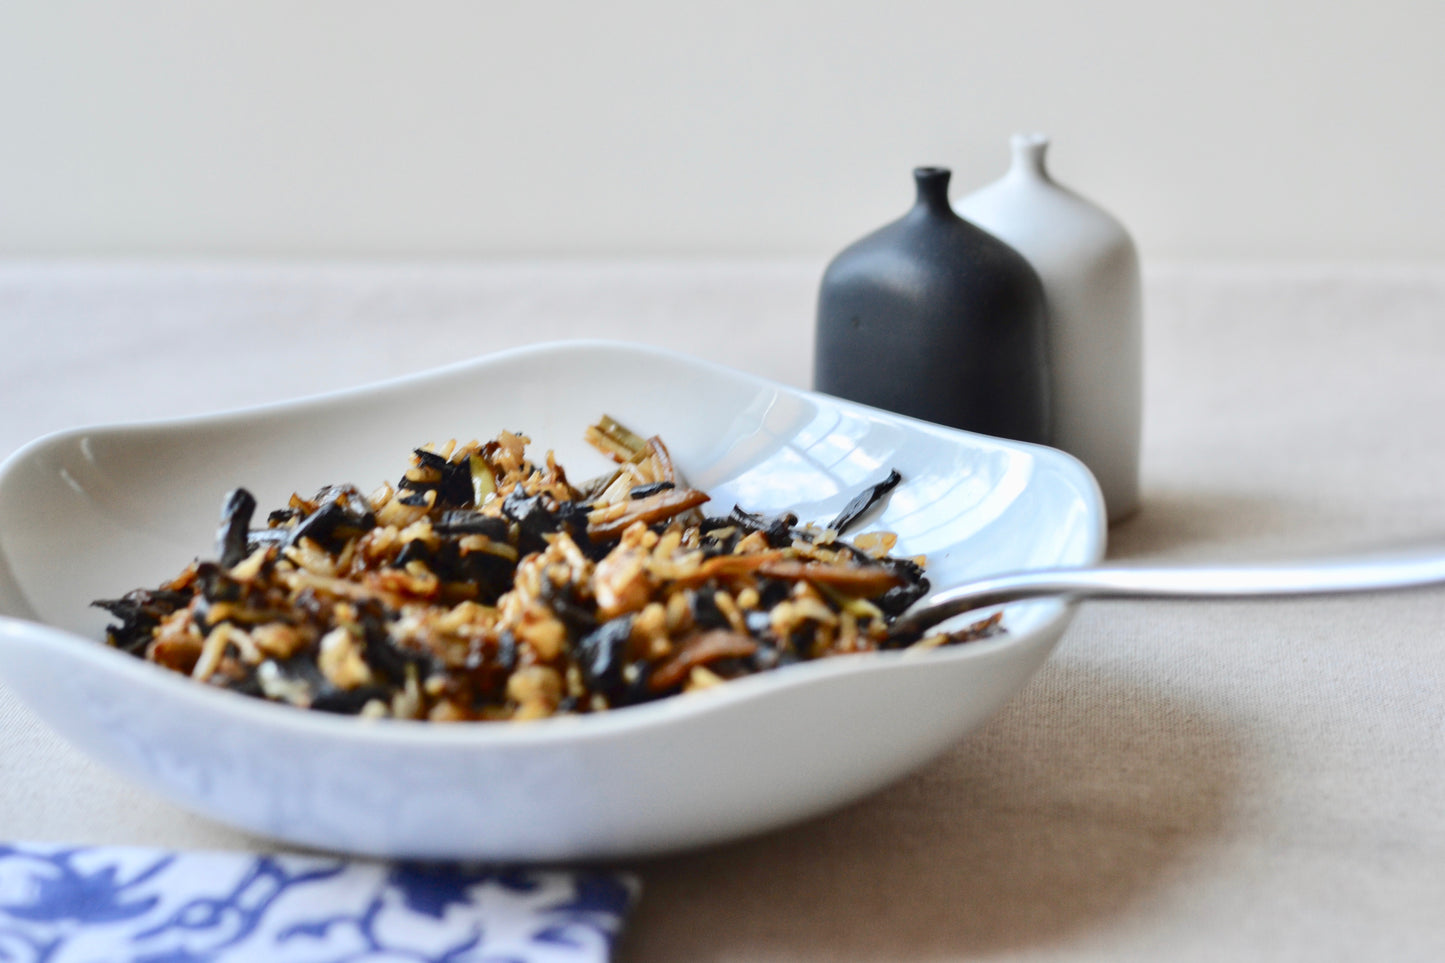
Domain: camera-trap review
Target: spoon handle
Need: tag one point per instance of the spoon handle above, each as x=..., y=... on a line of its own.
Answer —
x=1371, y=573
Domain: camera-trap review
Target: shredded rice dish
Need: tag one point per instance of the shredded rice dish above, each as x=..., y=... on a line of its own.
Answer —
x=486, y=586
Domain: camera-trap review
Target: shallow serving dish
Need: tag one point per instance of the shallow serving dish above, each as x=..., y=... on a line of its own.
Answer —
x=94, y=512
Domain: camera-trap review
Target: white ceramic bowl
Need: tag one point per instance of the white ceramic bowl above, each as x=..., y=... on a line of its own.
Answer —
x=95, y=512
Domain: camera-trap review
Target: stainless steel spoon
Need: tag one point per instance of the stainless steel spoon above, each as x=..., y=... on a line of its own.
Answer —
x=1364, y=573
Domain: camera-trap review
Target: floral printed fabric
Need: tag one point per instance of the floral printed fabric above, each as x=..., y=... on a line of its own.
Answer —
x=103, y=904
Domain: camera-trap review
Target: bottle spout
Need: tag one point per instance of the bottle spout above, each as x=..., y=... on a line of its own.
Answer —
x=932, y=185
x=1028, y=153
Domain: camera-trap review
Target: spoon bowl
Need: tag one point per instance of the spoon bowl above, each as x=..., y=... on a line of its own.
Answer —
x=91, y=513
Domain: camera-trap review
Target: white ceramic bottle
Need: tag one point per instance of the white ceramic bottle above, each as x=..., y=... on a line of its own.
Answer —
x=1090, y=271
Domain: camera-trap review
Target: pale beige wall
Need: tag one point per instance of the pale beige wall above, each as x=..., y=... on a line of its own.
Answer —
x=1276, y=129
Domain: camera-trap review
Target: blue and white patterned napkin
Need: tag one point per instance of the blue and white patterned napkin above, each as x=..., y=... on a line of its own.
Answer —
x=107, y=904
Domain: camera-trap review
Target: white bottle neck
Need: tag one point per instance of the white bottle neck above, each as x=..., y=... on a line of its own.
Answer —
x=1028, y=156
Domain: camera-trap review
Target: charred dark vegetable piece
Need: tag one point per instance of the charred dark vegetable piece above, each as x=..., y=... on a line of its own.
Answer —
x=319, y=525
x=863, y=501
x=215, y=585
x=636, y=685
x=705, y=613
x=414, y=551
x=563, y=601
x=454, y=483
x=416, y=487
x=349, y=701
x=897, y=600
x=573, y=517
x=719, y=536
x=431, y=464
x=267, y=536
x=465, y=522
x=429, y=459
x=231, y=537
x=777, y=529
x=914, y=585
x=217, y=588
x=532, y=516
x=140, y=612
x=538, y=516
x=771, y=591
x=491, y=574
x=303, y=669
x=530, y=512
x=384, y=654
x=603, y=652
x=642, y=491
x=343, y=513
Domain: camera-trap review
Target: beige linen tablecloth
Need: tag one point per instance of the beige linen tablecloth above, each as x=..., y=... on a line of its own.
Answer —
x=1181, y=781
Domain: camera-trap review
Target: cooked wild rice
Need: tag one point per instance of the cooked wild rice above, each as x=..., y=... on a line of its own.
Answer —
x=484, y=586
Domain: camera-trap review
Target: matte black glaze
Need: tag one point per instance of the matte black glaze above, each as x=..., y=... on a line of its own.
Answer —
x=935, y=318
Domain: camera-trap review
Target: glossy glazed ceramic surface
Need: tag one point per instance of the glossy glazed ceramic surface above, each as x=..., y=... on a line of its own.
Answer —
x=94, y=512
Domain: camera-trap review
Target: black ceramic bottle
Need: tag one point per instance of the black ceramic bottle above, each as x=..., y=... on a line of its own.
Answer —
x=935, y=318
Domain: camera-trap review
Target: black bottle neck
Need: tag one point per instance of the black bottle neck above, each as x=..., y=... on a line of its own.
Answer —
x=932, y=185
